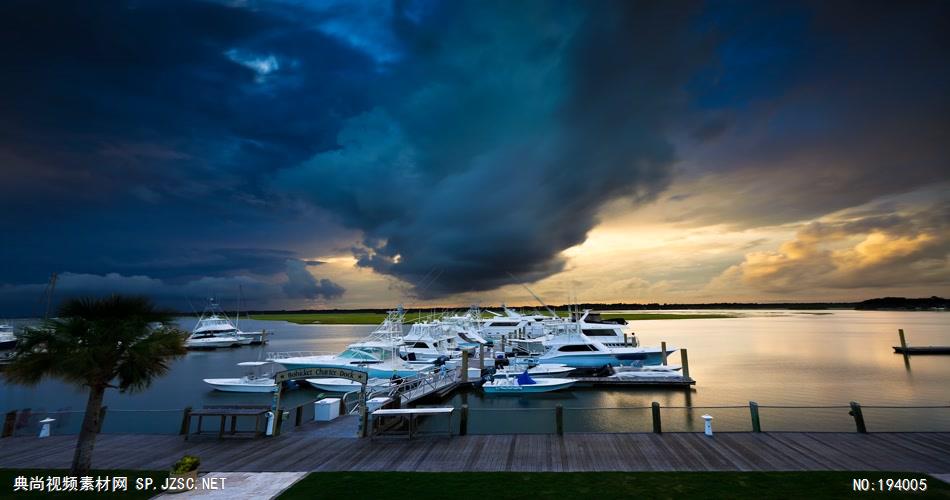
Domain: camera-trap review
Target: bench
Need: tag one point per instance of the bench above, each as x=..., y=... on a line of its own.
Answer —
x=258, y=412
x=409, y=415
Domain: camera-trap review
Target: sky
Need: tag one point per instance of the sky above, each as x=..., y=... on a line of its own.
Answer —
x=339, y=154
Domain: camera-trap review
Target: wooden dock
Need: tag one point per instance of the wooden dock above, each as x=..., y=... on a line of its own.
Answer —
x=668, y=382
x=311, y=450
x=931, y=349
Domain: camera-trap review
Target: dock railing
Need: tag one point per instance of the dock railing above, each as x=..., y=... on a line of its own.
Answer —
x=752, y=417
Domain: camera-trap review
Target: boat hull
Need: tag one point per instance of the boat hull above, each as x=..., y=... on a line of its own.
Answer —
x=373, y=372
x=581, y=361
x=501, y=386
x=343, y=385
x=236, y=385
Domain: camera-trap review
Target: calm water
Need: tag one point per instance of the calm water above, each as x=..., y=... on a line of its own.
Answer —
x=777, y=358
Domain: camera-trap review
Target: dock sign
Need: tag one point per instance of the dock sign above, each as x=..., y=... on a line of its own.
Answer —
x=355, y=375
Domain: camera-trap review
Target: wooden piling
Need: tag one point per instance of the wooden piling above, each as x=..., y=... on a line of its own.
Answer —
x=625, y=342
x=663, y=353
x=503, y=339
x=298, y=418
x=9, y=424
x=684, y=360
x=481, y=357
x=185, y=416
x=465, y=366
x=463, y=421
x=900, y=333
x=858, y=417
x=559, y=419
x=754, y=412
x=657, y=426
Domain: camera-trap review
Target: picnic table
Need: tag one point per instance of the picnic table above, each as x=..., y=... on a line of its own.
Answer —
x=224, y=413
x=409, y=415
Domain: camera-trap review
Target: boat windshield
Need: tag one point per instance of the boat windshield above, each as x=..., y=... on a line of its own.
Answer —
x=366, y=354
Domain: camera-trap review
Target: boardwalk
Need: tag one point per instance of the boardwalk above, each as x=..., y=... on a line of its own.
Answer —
x=311, y=451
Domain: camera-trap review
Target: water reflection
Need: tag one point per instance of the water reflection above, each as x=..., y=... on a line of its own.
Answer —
x=773, y=357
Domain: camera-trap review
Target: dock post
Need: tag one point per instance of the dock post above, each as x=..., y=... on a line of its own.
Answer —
x=481, y=357
x=684, y=359
x=465, y=366
x=754, y=411
x=663, y=353
x=657, y=425
x=185, y=421
x=503, y=344
x=9, y=423
x=559, y=419
x=463, y=421
x=900, y=333
x=298, y=418
x=858, y=417
x=102, y=418
x=625, y=342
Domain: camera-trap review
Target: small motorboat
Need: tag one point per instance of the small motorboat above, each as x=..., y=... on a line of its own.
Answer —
x=653, y=368
x=256, y=380
x=344, y=385
x=524, y=384
x=542, y=371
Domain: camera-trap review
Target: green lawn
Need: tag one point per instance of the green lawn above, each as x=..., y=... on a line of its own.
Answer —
x=645, y=316
x=598, y=485
x=8, y=476
x=358, y=318
x=324, y=318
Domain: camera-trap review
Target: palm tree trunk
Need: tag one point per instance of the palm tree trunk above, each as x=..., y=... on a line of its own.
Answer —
x=82, y=459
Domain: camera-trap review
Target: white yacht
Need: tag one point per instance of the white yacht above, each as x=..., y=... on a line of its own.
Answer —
x=343, y=385
x=512, y=322
x=428, y=341
x=257, y=379
x=215, y=330
x=378, y=354
x=7, y=337
x=569, y=346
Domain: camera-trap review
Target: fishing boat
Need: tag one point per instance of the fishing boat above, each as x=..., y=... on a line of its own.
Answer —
x=7, y=337
x=343, y=385
x=644, y=374
x=257, y=379
x=214, y=330
x=428, y=341
x=377, y=355
x=525, y=384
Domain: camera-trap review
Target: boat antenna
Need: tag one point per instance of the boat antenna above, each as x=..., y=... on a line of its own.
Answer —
x=536, y=297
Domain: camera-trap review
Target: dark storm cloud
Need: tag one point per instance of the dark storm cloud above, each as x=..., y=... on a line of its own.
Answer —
x=831, y=105
x=301, y=284
x=135, y=137
x=508, y=140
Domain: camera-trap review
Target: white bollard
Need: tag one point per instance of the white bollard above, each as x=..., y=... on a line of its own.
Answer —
x=270, y=423
x=44, y=431
x=708, y=419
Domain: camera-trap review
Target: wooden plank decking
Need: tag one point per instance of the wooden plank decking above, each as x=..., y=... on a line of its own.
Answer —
x=313, y=451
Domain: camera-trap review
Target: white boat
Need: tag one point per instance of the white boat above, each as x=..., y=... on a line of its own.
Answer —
x=524, y=384
x=215, y=330
x=345, y=385
x=428, y=341
x=656, y=368
x=7, y=337
x=569, y=346
x=544, y=371
x=377, y=355
x=255, y=380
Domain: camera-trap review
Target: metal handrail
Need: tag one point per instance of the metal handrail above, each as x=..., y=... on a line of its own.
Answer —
x=296, y=354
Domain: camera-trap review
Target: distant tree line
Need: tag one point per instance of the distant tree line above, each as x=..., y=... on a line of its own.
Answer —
x=903, y=304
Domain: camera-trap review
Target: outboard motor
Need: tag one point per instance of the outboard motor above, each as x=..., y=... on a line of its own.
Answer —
x=411, y=356
x=440, y=361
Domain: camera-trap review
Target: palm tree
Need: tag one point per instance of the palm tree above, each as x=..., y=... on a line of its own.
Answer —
x=98, y=343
